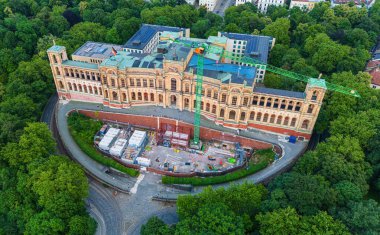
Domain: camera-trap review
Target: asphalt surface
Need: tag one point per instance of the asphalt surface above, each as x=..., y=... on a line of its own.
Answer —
x=124, y=213
x=222, y=5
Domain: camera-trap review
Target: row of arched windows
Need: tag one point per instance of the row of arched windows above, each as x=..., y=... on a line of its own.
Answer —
x=259, y=117
x=83, y=88
x=208, y=108
x=138, y=82
x=75, y=73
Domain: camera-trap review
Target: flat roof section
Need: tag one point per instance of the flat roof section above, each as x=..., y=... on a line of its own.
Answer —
x=146, y=32
x=80, y=64
x=278, y=92
x=96, y=50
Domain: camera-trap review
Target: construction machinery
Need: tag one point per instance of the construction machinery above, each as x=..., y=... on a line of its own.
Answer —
x=202, y=49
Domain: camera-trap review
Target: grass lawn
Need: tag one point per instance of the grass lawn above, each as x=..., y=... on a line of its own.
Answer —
x=263, y=158
x=83, y=130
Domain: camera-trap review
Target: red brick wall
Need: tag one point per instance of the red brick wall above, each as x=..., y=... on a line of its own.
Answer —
x=152, y=122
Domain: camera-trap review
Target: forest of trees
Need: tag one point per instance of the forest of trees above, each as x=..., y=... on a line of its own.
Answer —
x=326, y=192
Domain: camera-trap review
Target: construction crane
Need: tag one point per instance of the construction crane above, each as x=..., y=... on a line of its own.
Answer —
x=201, y=49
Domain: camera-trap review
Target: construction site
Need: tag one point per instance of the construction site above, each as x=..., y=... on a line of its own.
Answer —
x=168, y=149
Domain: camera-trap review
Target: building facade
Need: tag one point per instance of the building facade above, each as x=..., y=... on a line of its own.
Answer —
x=209, y=4
x=231, y=97
x=262, y=5
x=307, y=5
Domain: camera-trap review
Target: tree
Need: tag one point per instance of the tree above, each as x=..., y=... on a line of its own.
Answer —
x=213, y=218
x=306, y=193
x=35, y=143
x=279, y=29
x=287, y=221
x=61, y=186
x=361, y=217
x=155, y=226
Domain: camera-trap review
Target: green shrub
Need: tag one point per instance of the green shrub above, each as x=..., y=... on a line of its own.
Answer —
x=83, y=130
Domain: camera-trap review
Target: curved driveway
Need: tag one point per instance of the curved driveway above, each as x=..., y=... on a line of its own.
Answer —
x=138, y=207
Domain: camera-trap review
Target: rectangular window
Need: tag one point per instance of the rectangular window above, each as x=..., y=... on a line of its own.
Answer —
x=132, y=81
x=138, y=82
x=151, y=83
x=145, y=83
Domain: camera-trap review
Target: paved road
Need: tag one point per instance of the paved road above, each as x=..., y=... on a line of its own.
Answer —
x=222, y=5
x=138, y=206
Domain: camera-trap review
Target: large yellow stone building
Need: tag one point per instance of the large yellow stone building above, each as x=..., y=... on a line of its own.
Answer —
x=166, y=76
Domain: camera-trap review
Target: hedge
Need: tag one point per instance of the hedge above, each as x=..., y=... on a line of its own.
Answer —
x=90, y=150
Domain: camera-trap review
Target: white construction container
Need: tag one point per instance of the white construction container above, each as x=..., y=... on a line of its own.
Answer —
x=143, y=161
x=118, y=148
x=105, y=143
x=137, y=139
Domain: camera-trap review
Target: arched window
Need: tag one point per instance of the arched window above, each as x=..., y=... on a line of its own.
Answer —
x=114, y=95
x=80, y=87
x=85, y=88
x=70, y=87
x=279, y=120
x=286, y=121
x=283, y=104
x=213, y=109
x=272, y=118
x=258, y=117
x=55, y=59
x=90, y=89
x=66, y=72
x=255, y=100
x=124, y=97
x=106, y=94
x=139, y=96
x=152, y=97
x=275, y=104
x=245, y=101
x=209, y=93
x=252, y=116
x=262, y=101
x=221, y=114
x=305, y=124
x=310, y=108
x=293, y=123
x=298, y=106
x=187, y=102
x=113, y=82
x=100, y=91
x=242, y=116
x=202, y=105
x=234, y=100
x=75, y=87
x=61, y=85
x=216, y=94
x=77, y=74
x=203, y=91
x=265, y=119
x=208, y=107
x=290, y=105
x=160, y=98
x=146, y=97
x=133, y=96
x=224, y=97
x=232, y=115
x=187, y=88
x=173, y=84
x=57, y=71
x=315, y=95
x=269, y=102
x=160, y=84
x=95, y=90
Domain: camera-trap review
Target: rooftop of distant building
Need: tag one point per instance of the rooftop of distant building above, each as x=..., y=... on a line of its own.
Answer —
x=97, y=50
x=257, y=46
x=146, y=32
x=357, y=2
